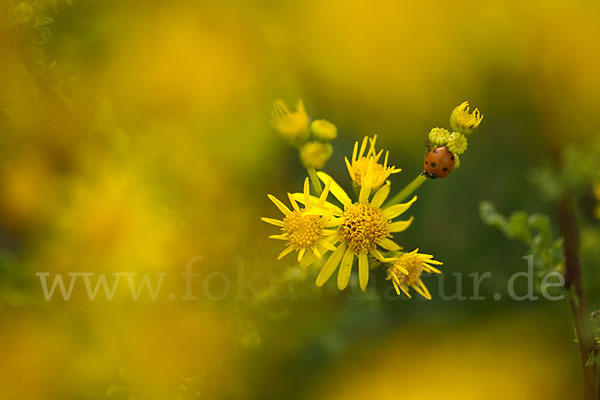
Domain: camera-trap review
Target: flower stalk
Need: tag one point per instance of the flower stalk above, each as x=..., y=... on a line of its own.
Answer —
x=577, y=300
x=407, y=191
x=314, y=179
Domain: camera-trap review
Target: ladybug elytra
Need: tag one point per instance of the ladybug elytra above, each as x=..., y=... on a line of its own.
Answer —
x=439, y=162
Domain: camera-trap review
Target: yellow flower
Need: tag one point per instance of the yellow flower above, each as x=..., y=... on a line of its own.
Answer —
x=363, y=226
x=438, y=137
x=406, y=272
x=301, y=230
x=323, y=130
x=361, y=161
x=292, y=126
x=457, y=143
x=315, y=154
x=463, y=121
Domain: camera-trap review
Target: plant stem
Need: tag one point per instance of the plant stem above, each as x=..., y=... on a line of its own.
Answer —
x=407, y=191
x=574, y=284
x=312, y=173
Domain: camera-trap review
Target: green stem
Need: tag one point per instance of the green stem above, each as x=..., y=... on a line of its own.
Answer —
x=312, y=173
x=577, y=299
x=407, y=191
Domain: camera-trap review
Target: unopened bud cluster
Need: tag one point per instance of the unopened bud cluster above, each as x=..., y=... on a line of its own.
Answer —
x=311, y=138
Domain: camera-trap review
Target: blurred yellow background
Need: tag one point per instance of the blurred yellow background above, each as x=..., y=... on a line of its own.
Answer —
x=135, y=136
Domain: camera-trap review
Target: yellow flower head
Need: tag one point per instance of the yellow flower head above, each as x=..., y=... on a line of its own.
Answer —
x=439, y=137
x=406, y=271
x=362, y=227
x=292, y=126
x=323, y=130
x=457, y=143
x=301, y=229
x=315, y=154
x=463, y=121
x=361, y=161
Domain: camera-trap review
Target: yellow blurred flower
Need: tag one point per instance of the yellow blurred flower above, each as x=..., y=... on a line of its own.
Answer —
x=406, y=272
x=302, y=230
x=323, y=130
x=463, y=121
x=457, y=143
x=292, y=126
x=315, y=154
x=363, y=226
x=361, y=161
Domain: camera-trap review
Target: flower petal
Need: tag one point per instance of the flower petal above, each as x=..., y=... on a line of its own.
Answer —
x=285, y=252
x=282, y=207
x=389, y=245
x=400, y=226
x=381, y=195
x=363, y=270
x=397, y=209
x=273, y=221
x=345, y=269
x=335, y=189
x=330, y=265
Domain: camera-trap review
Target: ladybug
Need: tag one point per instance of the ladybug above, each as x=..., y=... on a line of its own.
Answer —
x=439, y=162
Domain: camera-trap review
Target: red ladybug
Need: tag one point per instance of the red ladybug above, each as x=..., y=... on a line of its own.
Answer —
x=439, y=163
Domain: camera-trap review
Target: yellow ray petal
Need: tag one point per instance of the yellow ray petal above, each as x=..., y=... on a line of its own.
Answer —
x=363, y=147
x=306, y=194
x=285, y=252
x=389, y=245
x=363, y=270
x=293, y=202
x=400, y=226
x=324, y=194
x=330, y=265
x=279, y=237
x=301, y=254
x=345, y=269
x=349, y=166
x=316, y=251
x=381, y=195
x=366, y=184
x=282, y=207
x=273, y=221
x=335, y=189
x=397, y=209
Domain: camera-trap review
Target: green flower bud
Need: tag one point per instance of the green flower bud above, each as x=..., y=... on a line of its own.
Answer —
x=438, y=137
x=456, y=161
x=457, y=143
x=315, y=154
x=323, y=130
x=461, y=120
x=292, y=126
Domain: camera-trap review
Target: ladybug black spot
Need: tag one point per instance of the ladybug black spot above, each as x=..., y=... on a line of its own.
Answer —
x=445, y=169
x=433, y=164
x=435, y=151
x=426, y=162
x=452, y=158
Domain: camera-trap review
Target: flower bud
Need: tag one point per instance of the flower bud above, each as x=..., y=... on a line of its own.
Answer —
x=315, y=154
x=438, y=137
x=461, y=120
x=292, y=126
x=457, y=143
x=323, y=130
x=456, y=161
